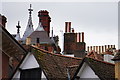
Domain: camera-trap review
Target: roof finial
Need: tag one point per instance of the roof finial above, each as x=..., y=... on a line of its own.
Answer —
x=18, y=27
x=30, y=10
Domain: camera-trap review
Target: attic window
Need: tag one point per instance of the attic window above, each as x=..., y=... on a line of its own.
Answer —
x=38, y=40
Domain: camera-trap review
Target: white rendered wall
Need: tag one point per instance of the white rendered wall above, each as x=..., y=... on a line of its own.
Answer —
x=108, y=58
x=86, y=72
x=30, y=62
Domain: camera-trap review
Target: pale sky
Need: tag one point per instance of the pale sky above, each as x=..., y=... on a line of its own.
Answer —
x=98, y=20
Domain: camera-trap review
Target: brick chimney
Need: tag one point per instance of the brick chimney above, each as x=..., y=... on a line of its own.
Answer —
x=116, y=59
x=45, y=19
x=3, y=20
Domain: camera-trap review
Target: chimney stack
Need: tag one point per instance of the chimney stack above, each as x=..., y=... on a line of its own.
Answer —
x=82, y=36
x=45, y=20
x=3, y=20
x=28, y=41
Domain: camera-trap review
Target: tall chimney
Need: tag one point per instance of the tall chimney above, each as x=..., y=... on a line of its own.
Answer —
x=82, y=36
x=3, y=20
x=45, y=19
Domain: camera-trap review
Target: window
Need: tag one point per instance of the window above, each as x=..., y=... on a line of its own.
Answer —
x=37, y=40
x=31, y=74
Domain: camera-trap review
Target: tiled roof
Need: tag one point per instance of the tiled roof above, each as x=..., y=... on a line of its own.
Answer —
x=11, y=48
x=55, y=65
x=117, y=56
x=104, y=70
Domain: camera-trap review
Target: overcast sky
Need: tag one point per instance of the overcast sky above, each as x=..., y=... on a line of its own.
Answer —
x=98, y=20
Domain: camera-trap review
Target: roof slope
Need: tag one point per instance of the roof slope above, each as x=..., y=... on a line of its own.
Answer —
x=54, y=65
x=42, y=35
x=104, y=70
x=11, y=48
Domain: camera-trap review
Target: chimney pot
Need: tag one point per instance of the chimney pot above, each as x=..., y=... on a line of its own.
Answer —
x=88, y=48
x=79, y=37
x=94, y=48
x=72, y=30
x=102, y=49
x=99, y=49
x=82, y=36
x=69, y=26
x=105, y=48
x=66, y=23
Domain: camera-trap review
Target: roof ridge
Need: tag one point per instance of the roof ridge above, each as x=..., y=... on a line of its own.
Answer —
x=54, y=53
x=102, y=61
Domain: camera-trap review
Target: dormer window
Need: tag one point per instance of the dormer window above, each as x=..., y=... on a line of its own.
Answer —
x=38, y=40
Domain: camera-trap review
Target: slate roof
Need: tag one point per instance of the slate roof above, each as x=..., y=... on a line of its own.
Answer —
x=42, y=35
x=117, y=56
x=104, y=70
x=55, y=65
x=29, y=29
